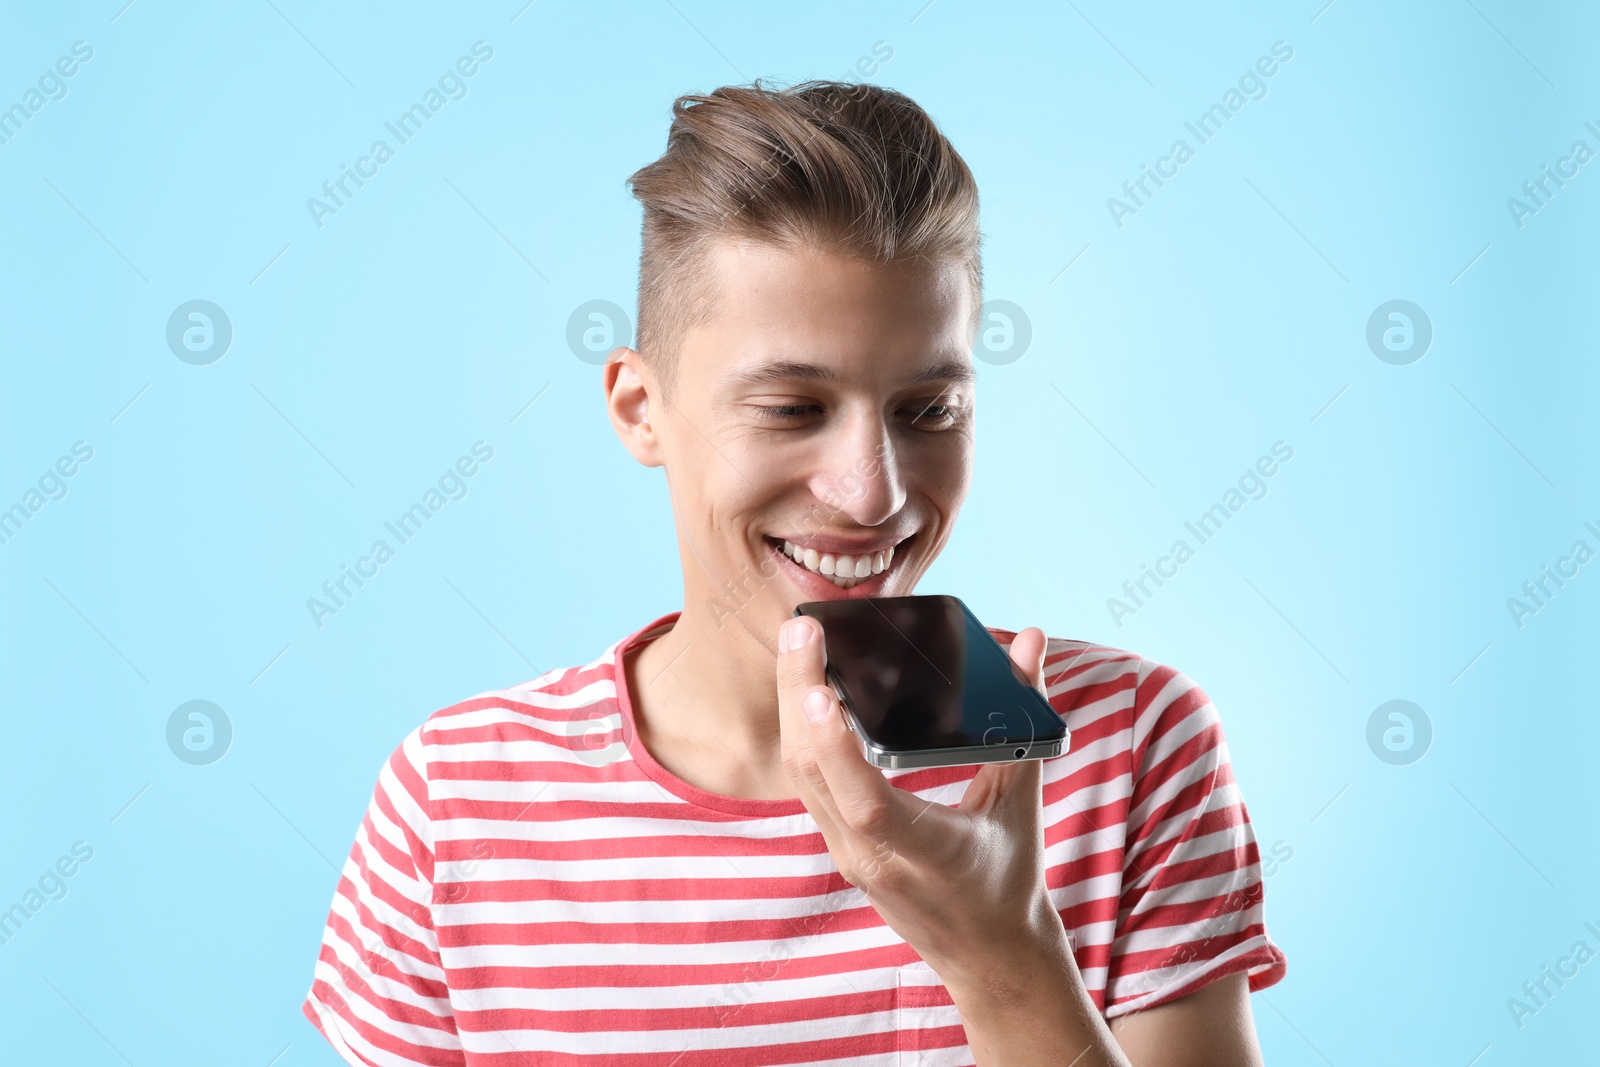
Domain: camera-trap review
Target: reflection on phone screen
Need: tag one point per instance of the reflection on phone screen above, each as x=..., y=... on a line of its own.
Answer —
x=904, y=666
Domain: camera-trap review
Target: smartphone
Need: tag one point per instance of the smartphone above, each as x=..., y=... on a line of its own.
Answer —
x=923, y=684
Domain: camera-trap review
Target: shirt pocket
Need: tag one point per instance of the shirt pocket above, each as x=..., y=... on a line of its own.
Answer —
x=928, y=1030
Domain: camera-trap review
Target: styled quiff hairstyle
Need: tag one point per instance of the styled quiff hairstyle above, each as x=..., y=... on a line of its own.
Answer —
x=847, y=167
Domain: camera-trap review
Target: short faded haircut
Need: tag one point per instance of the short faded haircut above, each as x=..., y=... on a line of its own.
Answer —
x=847, y=167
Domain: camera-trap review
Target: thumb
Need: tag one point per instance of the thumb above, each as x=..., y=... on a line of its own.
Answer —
x=1027, y=652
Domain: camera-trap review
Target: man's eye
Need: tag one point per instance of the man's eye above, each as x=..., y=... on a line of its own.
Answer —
x=923, y=416
x=783, y=412
x=932, y=416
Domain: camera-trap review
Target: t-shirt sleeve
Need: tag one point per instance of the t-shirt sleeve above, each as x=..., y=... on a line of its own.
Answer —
x=378, y=991
x=1192, y=907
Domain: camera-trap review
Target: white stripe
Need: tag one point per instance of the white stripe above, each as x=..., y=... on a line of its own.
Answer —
x=766, y=984
x=614, y=827
x=1099, y=887
x=785, y=950
x=761, y=909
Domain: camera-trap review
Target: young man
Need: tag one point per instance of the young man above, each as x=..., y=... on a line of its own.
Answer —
x=676, y=854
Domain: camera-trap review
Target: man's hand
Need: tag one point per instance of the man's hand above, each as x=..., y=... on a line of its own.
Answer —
x=963, y=886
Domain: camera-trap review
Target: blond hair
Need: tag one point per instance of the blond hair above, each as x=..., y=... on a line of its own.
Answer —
x=848, y=167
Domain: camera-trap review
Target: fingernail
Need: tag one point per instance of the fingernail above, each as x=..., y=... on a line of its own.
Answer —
x=793, y=634
x=817, y=705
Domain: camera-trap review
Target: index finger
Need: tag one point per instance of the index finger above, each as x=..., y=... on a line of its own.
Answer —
x=856, y=794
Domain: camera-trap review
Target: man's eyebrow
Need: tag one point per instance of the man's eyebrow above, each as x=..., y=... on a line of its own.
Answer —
x=952, y=370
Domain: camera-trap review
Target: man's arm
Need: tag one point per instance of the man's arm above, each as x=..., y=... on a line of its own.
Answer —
x=1038, y=1012
x=1211, y=1027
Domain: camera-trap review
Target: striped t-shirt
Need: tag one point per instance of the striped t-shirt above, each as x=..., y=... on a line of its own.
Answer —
x=530, y=887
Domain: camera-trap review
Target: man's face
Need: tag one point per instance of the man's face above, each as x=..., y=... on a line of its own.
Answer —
x=829, y=404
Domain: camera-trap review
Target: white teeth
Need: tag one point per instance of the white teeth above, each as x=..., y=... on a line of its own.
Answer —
x=845, y=571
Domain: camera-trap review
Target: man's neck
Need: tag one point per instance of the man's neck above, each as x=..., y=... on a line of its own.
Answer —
x=705, y=701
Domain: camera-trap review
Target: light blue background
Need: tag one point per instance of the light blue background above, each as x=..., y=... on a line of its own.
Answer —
x=370, y=353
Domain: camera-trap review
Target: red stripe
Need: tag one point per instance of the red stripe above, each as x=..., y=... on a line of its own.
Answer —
x=668, y=887
x=659, y=933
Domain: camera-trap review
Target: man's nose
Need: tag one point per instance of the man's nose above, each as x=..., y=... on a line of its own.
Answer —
x=860, y=474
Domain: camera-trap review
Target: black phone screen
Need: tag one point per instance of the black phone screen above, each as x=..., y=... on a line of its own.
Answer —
x=921, y=672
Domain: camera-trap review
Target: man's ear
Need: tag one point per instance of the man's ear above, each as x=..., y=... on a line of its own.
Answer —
x=628, y=387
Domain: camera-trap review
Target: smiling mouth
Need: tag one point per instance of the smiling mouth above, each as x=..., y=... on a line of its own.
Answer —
x=844, y=570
